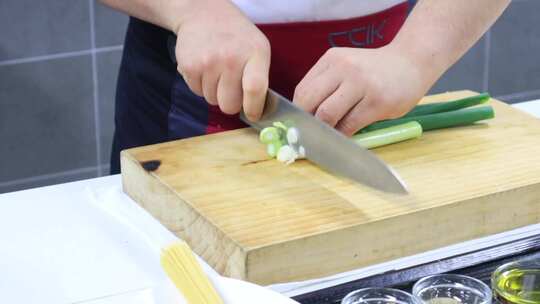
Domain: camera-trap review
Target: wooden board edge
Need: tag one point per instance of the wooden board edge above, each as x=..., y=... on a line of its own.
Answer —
x=361, y=246
x=216, y=248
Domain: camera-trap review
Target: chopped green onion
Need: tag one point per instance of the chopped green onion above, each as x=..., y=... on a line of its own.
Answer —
x=453, y=105
x=273, y=148
x=286, y=154
x=292, y=136
x=439, y=120
x=301, y=152
x=388, y=135
x=280, y=125
x=269, y=134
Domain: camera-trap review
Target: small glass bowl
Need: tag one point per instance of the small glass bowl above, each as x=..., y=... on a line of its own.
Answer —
x=517, y=282
x=452, y=289
x=379, y=296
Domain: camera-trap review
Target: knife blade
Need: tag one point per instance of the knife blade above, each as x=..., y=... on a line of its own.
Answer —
x=324, y=145
x=328, y=148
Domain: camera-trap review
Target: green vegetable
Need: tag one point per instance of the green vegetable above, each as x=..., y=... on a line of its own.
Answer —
x=292, y=136
x=280, y=142
x=389, y=135
x=287, y=154
x=439, y=107
x=439, y=120
x=269, y=134
x=280, y=125
x=301, y=152
x=273, y=148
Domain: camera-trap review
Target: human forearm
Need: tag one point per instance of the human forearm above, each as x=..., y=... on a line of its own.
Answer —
x=169, y=14
x=350, y=88
x=439, y=32
x=221, y=54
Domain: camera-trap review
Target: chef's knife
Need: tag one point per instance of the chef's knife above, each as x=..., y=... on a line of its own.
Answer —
x=327, y=147
x=324, y=145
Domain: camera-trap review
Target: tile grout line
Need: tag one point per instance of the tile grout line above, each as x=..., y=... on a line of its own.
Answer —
x=105, y=49
x=519, y=94
x=97, y=126
x=44, y=57
x=487, y=59
x=105, y=169
x=47, y=176
x=60, y=55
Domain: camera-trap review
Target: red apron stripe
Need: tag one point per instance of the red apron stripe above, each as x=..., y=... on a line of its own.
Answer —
x=296, y=47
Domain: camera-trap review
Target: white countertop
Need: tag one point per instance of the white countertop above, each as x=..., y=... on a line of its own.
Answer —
x=58, y=247
x=532, y=107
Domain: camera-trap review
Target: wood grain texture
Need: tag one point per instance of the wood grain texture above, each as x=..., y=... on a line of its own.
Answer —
x=256, y=219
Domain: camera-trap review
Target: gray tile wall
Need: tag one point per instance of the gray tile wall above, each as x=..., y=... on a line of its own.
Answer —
x=506, y=61
x=58, y=69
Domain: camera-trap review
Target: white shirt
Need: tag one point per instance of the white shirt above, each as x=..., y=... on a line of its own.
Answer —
x=283, y=11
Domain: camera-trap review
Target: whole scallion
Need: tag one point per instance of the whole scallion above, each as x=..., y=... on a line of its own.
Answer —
x=390, y=135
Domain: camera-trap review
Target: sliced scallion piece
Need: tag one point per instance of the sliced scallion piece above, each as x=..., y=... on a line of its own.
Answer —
x=292, y=135
x=273, y=148
x=438, y=107
x=269, y=134
x=287, y=154
x=390, y=135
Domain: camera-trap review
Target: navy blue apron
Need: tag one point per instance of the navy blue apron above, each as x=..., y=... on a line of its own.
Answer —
x=154, y=104
x=150, y=94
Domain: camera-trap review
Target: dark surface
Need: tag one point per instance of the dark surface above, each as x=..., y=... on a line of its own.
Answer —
x=46, y=119
x=151, y=165
x=478, y=264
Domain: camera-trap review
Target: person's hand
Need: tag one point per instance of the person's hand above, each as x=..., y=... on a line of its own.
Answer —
x=224, y=57
x=351, y=88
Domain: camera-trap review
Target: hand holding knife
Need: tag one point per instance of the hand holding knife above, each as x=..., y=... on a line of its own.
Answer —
x=325, y=146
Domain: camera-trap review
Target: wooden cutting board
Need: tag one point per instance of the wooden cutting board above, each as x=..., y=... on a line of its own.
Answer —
x=255, y=219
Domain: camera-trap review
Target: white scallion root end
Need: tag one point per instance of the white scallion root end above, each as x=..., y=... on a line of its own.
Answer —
x=273, y=148
x=301, y=152
x=287, y=155
x=292, y=136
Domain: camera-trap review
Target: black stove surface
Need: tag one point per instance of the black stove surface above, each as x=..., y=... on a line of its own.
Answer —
x=479, y=264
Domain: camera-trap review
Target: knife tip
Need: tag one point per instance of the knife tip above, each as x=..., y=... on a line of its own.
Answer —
x=399, y=187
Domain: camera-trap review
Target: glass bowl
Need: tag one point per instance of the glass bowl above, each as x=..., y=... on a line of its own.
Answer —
x=517, y=282
x=452, y=289
x=379, y=296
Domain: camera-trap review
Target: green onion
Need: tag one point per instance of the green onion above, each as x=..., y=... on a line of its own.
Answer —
x=389, y=135
x=280, y=125
x=439, y=107
x=268, y=135
x=301, y=152
x=439, y=120
x=281, y=142
x=273, y=148
x=292, y=136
